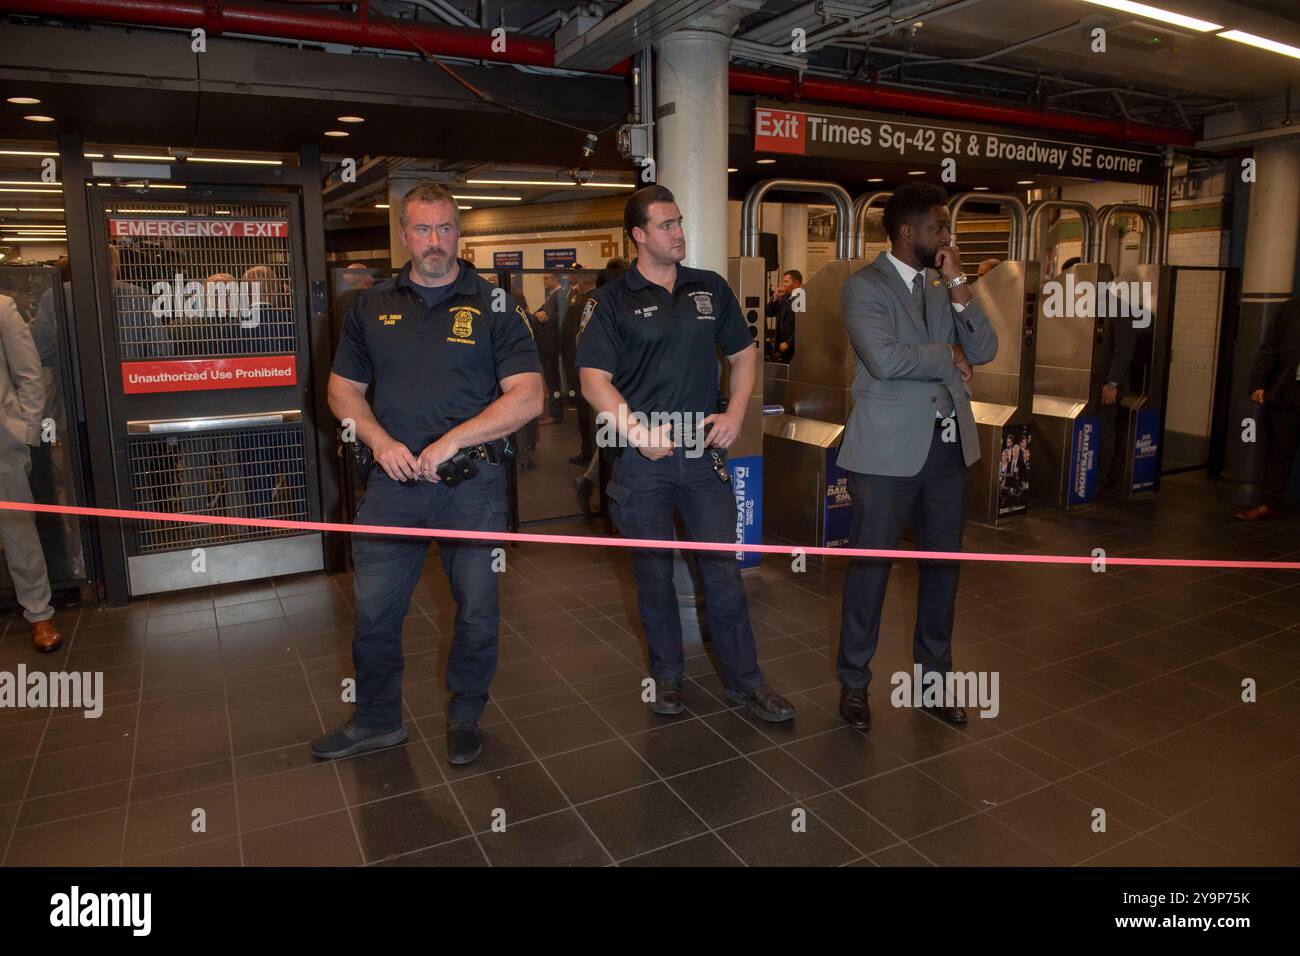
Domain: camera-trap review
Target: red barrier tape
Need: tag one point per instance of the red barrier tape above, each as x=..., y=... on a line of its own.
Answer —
x=787, y=550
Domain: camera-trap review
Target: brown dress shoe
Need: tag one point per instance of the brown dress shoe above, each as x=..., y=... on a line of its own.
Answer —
x=853, y=707
x=46, y=636
x=1257, y=513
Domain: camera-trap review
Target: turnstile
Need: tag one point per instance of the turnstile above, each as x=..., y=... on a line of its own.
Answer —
x=1002, y=390
x=1140, y=423
x=813, y=388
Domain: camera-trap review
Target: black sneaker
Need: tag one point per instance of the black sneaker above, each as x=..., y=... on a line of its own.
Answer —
x=668, y=697
x=463, y=742
x=351, y=739
x=764, y=703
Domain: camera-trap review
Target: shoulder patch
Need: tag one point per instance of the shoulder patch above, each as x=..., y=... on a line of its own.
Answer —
x=587, y=311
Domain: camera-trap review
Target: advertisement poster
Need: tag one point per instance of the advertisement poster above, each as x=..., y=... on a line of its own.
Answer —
x=508, y=260
x=1083, y=460
x=1146, y=449
x=747, y=482
x=1013, y=471
x=560, y=258
x=837, y=507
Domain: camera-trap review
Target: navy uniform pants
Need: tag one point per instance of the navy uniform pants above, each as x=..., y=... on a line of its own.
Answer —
x=387, y=569
x=643, y=496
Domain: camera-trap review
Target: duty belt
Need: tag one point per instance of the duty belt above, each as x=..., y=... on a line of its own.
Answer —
x=462, y=465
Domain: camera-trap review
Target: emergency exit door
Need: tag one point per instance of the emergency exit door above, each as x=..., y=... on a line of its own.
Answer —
x=204, y=331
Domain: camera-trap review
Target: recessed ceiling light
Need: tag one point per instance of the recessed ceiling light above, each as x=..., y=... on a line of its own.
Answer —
x=916, y=172
x=1024, y=182
x=24, y=100
x=732, y=169
x=1262, y=42
x=40, y=209
x=26, y=152
x=980, y=189
x=464, y=207
x=765, y=162
x=875, y=179
x=233, y=159
x=89, y=155
x=147, y=157
x=27, y=182
x=1158, y=15
x=558, y=184
x=381, y=205
x=351, y=119
x=32, y=239
x=10, y=189
x=335, y=132
x=38, y=118
x=490, y=198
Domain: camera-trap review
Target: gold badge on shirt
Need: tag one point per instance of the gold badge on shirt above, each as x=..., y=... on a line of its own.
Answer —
x=462, y=324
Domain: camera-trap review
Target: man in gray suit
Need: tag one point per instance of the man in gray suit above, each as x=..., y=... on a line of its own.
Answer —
x=911, y=438
x=22, y=403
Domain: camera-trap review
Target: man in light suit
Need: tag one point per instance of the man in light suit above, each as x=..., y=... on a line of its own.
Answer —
x=22, y=404
x=910, y=439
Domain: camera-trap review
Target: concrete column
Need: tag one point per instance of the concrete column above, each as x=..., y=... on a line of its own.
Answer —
x=691, y=133
x=1268, y=276
x=794, y=237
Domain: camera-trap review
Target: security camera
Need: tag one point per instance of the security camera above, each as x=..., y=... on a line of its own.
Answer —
x=589, y=146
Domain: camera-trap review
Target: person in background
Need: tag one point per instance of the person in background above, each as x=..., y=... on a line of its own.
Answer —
x=1275, y=384
x=782, y=307
x=585, y=483
x=141, y=335
x=580, y=285
x=527, y=437
x=548, y=319
x=22, y=401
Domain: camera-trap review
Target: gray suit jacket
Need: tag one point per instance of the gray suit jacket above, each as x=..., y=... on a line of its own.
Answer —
x=22, y=391
x=902, y=362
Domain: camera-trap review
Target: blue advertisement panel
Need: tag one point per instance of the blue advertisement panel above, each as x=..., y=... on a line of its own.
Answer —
x=837, y=507
x=1083, y=460
x=747, y=482
x=1146, y=448
x=508, y=260
x=560, y=258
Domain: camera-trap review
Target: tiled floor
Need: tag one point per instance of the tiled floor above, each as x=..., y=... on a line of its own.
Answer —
x=1120, y=692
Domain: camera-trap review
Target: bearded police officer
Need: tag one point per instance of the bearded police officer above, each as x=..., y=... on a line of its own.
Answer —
x=647, y=347
x=454, y=370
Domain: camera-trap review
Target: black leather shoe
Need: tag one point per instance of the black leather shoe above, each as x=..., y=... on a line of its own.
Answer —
x=583, y=488
x=463, y=742
x=953, y=715
x=764, y=703
x=668, y=697
x=351, y=739
x=854, y=709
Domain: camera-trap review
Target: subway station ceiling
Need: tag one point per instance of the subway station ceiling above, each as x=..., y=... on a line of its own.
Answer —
x=124, y=73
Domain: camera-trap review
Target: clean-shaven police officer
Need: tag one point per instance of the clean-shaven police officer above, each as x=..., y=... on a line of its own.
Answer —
x=647, y=344
x=452, y=376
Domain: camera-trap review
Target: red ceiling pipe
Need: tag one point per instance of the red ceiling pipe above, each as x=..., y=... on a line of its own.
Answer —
x=285, y=21
x=288, y=22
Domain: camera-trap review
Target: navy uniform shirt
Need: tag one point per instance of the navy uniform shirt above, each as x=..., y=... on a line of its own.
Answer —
x=435, y=355
x=659, y=346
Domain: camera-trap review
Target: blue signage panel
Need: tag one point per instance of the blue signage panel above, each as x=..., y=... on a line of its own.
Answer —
x=747, y=482
x=1146, y=449
x=837, y=507
x=1083, y=460
x=560, y=258
x=508, y=260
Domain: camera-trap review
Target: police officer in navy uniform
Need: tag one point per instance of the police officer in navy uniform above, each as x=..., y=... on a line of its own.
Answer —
x=454, y=370
x=648, y=346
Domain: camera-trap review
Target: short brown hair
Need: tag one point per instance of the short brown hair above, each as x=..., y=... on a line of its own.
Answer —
x=637, y=211
x=427, y=191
